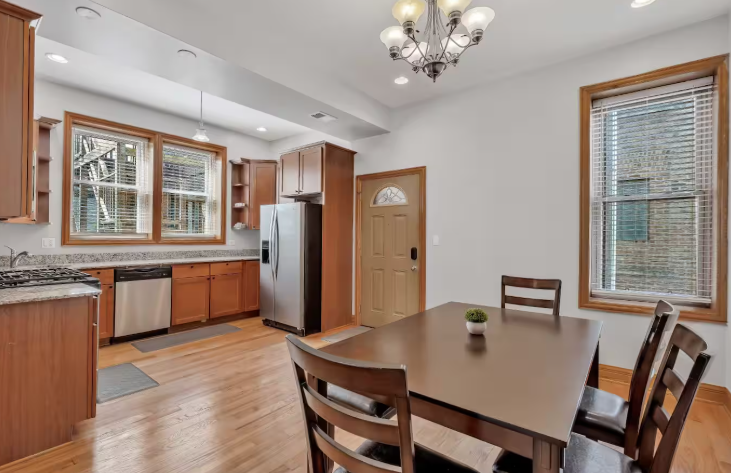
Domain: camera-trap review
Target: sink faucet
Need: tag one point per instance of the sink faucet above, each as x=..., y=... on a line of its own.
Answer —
x=16, y=257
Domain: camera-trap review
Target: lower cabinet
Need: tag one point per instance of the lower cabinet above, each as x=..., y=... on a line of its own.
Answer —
x=106, y=312
x=191, y=298
x=226, y=295
x=251, y=286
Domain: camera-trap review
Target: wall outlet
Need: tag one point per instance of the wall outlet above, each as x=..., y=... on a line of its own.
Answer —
x=435, y=240
x=232, y=243
x=48, y=243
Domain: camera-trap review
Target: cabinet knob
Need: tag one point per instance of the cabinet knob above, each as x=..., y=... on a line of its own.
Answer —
x=191, y=267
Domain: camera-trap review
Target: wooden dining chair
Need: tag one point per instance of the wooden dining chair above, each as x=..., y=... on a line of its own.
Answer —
x=525, y=283
x=587, y=456
x=610, y=418
x=389, y=447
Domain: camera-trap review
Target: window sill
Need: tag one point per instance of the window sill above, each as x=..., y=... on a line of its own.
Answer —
x=142, y=242
x=633, y=307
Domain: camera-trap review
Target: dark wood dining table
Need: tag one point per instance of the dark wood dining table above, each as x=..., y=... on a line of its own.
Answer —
x=517, y=387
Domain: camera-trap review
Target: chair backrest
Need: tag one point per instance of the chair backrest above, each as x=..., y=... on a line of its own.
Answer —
x=548, y=284
x=313, y=370
x=656, y=417
x=663, y=321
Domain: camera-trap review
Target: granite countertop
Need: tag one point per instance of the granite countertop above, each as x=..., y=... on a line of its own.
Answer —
x=120, y=264
x=46, y=293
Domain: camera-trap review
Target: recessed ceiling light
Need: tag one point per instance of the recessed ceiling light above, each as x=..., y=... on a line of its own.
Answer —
x=57, y=58
x=187, y=54
x=641, y=3
x=88, y=13
x=261, y=129
x=401, y=80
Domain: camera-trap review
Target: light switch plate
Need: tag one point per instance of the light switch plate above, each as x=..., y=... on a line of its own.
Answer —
x=435, y=240
x=48, y=243
x=232, y=243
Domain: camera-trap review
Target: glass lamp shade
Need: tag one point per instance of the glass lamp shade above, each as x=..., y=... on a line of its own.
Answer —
x=461, y=40
x=408, y=10
x=201, y=135
x=450, y=6
x=417, y=52
x=478, y=18
x=393, y=37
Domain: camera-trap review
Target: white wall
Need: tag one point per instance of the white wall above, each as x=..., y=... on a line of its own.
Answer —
x=285, y=144
x=503, y=180
x=52, y=100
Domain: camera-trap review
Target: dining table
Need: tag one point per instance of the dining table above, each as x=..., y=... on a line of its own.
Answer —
x=517, y=387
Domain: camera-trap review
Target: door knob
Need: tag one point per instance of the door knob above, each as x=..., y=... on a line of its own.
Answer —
x=414, y=268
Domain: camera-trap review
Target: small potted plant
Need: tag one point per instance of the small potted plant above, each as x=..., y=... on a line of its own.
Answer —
x=476, y=321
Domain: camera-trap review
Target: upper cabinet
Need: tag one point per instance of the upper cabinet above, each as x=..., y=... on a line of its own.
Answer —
x=253, y=184
x=301, y=172
x=17, y=50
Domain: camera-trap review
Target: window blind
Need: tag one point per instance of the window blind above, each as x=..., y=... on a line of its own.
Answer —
x=191, y=193
x=652, y=189
x=111, y=185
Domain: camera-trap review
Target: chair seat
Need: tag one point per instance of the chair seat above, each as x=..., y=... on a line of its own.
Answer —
x=602, y=416
x=582, y=456
x=359, y=403
x=425, y=461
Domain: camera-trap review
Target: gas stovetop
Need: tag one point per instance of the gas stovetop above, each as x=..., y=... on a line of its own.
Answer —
x=43, y=277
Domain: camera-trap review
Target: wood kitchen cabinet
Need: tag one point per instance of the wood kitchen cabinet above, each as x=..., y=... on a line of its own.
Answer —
x=191, y=299
x=327, y=171
x=17, y=50
x=106, y=303
x=226, y=295
x=49, y=361
x=251, y=285
x=253, y=184
x=301, y=172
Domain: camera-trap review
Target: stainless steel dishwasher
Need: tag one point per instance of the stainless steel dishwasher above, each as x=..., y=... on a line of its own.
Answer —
x=143, y=297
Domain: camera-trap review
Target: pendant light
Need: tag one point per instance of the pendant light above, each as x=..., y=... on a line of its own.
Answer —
x=200, y=133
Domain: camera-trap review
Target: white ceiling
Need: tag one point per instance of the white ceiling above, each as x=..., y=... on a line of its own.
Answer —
x=106, y=77
x=318, y=47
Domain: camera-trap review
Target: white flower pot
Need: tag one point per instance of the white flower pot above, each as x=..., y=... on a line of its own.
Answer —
x=476, y=328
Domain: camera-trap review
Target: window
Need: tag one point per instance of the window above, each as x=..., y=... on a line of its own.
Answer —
x=389, y=195
x=650, y=211
x=111, y=196
x=190, y=192
x=111, y=185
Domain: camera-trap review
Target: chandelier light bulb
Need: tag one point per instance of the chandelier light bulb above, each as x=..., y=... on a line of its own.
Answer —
x=456, y=44
x=476, y=20
x=413, y=54
x=408, y=12
x=393, y=37
x=641, y=3
x=453, y=9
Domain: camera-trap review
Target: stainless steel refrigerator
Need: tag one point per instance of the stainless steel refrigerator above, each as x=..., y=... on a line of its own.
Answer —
x=291, y=266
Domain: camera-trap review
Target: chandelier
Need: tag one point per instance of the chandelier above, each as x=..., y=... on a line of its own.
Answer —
x=442, y=42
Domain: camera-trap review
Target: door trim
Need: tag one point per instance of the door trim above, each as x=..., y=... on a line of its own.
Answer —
x=421, y=172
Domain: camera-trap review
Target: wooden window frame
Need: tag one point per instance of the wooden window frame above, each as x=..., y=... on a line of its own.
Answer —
x=715, y=66
x=157, y=141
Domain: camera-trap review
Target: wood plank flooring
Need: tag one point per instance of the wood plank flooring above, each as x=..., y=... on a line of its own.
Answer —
x=228, y=404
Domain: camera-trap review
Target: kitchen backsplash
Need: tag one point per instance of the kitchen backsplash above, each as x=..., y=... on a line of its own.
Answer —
x=74, y=258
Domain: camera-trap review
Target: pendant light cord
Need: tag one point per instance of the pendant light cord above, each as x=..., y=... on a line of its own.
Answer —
x=201, y=122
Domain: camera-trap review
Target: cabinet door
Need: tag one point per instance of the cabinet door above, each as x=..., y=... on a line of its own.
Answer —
x=251, y=283
x=13, y=116
x=190, y=299
x=263, y=189
x=106, y=312
x=311, y=171
x=226, y=297
x=290, y=174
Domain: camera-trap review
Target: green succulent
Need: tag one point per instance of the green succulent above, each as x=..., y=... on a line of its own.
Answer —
x=475, y=315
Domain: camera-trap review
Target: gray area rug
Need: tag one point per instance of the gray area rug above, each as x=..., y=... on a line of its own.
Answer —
x=167, y=341
x=346, y=334
x=121, y=380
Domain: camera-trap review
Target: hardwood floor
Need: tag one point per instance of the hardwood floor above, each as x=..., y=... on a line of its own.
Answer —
x=228, y=404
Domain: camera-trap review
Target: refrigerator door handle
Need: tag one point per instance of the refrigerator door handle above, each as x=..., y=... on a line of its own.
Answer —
x=273, y=243
x=276, y=237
